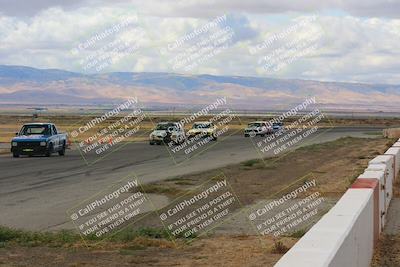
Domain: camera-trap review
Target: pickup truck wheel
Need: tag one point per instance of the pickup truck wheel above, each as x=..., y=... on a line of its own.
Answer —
x=62, y=151
x=49, y=151
x=15, y=155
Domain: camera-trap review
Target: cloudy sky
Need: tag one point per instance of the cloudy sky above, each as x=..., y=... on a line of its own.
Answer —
x=332, y=40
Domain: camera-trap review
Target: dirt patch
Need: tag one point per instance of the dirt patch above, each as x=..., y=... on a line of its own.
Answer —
x=260, y=179
x=387, y=252
x=255, y=182
x=214, y=251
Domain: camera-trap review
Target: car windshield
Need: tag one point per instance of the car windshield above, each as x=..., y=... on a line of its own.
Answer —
x=35, y=129
x=165, y=126
x=201, y=126
x=255, y=124
x=277, y=124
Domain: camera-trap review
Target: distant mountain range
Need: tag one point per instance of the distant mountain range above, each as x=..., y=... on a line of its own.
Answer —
x=25, y=85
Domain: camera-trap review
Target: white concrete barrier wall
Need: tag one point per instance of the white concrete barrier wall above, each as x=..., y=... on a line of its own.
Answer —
x=358, y=246
x=346, y=235
x=387, y=179
x=396, y=152
x=397, y=144
x=380, y=176
x=388, y=160
x=343, y=236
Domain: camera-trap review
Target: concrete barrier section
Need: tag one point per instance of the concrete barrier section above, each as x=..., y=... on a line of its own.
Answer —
x=388, y=160
x=397, y=144
x=395, y=151
x=381, y=177
x=387, y=179
x=343, y=237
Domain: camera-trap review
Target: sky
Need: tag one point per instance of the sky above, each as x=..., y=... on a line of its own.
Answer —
x=332, y=40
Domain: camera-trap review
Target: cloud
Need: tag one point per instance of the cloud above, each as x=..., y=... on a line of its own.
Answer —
x=242, y=27
x=211, y=8
x=350, y=48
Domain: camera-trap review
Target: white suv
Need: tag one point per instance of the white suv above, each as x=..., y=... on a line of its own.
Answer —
x=203, y=129
x=167, y=132
x=255, y=128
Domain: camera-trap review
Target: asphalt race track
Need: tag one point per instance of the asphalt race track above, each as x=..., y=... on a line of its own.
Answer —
x=35, y=192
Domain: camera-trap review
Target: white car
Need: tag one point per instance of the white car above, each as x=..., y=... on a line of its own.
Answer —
x=278, y=126
x=204, y=128
x=167, y=132
x=255, y=128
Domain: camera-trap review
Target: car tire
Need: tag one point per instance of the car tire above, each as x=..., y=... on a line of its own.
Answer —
x=246, y=135
x=151, y=143
x=49, y=150
x=15, y=155
x=262, y=135
x=62, y=151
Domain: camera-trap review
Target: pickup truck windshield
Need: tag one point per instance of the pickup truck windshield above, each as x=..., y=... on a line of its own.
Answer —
x=35, y=129
x=201, y=126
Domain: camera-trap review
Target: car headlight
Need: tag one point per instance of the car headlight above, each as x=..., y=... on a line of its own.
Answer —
x=42, y=143
x=14, y=144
